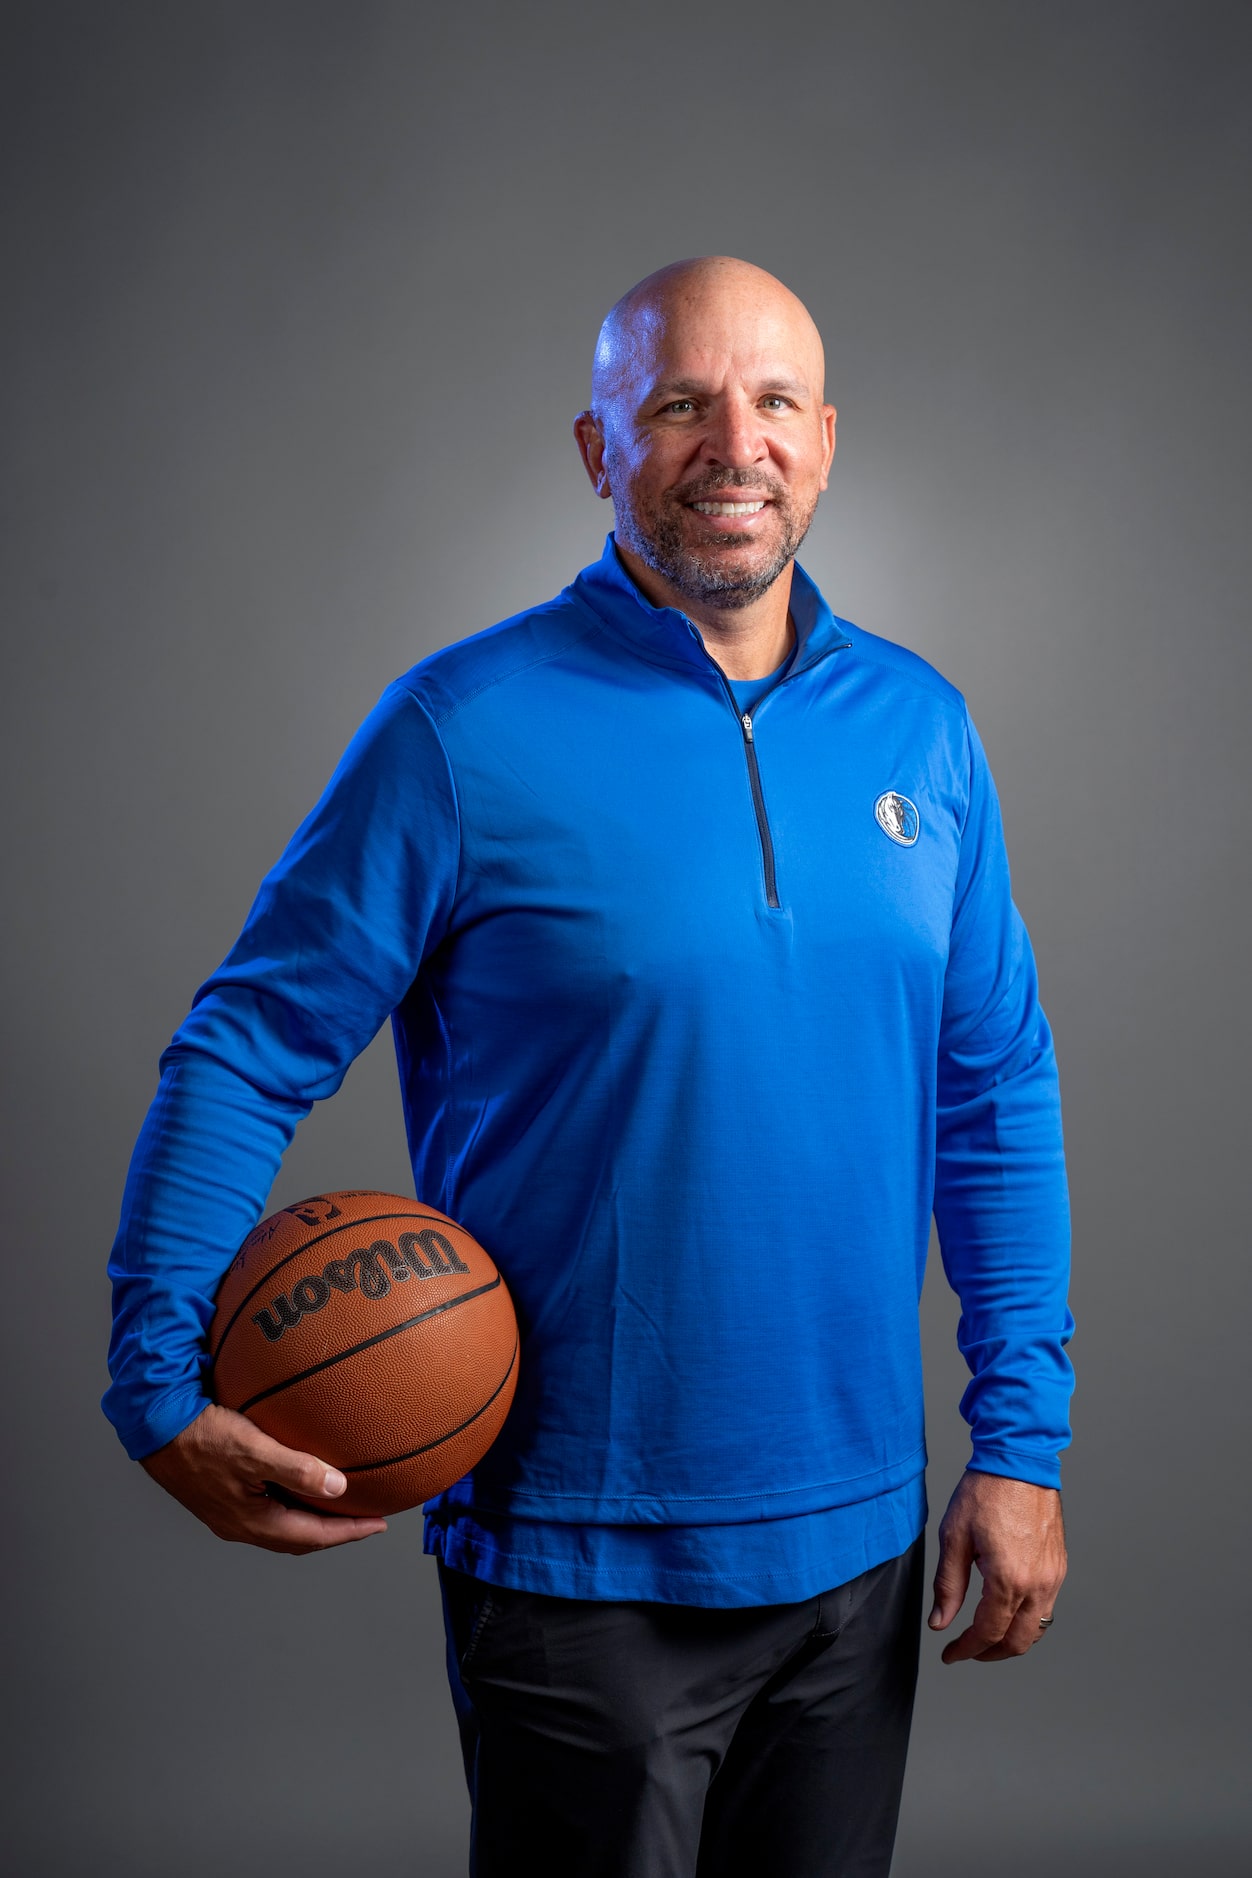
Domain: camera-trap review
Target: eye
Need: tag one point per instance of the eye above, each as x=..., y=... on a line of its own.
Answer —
x=681, y=405
x=775, y=401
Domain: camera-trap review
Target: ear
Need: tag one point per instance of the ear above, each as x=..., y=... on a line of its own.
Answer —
x=590, y=440
x=828, y=442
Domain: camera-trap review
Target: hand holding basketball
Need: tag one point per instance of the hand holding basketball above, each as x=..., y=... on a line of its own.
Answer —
x=364, y=1325
x=218, y=1468
x=373, y=1331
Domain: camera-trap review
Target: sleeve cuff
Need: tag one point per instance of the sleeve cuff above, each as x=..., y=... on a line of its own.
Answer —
x=168, y=1418
x=1040, y=1470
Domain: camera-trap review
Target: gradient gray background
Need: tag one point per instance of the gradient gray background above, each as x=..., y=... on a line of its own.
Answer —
x=301, y=301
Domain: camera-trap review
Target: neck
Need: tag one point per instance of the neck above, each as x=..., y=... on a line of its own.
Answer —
x=746, y=641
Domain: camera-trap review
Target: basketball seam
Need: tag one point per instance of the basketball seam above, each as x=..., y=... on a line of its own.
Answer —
x=394, y=1460
x=371, y=1219
x=380, y=1336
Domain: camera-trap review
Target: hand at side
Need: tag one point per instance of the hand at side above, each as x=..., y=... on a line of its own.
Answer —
x=219, y=1468
x=1015, y=1534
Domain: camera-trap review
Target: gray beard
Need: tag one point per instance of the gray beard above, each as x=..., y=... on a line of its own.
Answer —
x=657, y=538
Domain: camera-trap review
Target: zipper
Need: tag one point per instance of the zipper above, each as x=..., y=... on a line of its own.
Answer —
x=758, y=803
x=764, y=835
x=754, y=771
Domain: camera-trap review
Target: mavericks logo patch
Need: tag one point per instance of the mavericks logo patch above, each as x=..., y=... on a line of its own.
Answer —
x=897, y=817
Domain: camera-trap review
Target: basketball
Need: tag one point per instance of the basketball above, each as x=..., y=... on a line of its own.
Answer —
x=373, y=1332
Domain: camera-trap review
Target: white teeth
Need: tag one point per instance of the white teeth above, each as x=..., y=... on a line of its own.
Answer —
x=728, y=508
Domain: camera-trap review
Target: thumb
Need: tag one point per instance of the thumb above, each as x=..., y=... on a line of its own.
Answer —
x=956, y=1556
x=302, y=1474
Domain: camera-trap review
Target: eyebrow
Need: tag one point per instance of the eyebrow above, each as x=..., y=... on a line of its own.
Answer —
x=692, y=387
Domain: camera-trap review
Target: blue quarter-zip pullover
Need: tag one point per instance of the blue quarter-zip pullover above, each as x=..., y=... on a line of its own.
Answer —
x=698, y=1014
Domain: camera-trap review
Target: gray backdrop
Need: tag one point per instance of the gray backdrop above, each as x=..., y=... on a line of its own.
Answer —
x=301, y=300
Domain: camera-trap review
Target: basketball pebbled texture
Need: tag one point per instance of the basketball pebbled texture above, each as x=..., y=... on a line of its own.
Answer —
x=373, y=1332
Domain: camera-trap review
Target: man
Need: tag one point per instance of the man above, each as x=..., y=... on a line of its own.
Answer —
x=690, y=905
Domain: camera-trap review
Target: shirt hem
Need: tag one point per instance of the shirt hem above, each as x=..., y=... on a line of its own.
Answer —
x=676, y=1509
x=729, y=1589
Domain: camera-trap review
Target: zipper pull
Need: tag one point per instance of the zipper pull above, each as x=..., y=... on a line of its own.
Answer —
x=747, y=727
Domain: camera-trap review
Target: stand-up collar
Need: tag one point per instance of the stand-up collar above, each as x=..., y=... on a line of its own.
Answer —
x=668, y=637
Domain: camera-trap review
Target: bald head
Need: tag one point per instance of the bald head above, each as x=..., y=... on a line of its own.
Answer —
x=708, y=430
x=720, y=303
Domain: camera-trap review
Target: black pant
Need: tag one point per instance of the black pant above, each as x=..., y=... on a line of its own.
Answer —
x=641, y=1740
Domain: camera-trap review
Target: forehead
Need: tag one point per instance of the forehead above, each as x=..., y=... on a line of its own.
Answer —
x=716, y=339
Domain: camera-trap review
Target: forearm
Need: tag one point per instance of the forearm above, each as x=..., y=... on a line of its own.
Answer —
x=1002, y=1210
x=199, y=1178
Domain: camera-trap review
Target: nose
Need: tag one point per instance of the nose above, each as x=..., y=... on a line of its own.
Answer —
x=733, y=437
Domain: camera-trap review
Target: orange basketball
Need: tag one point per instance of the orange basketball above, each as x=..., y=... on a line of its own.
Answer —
x=373, y=1332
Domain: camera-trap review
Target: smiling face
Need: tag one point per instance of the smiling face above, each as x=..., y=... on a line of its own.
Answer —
x=708, y=429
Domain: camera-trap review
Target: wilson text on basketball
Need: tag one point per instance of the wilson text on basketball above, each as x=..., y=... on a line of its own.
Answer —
x=371, y=1270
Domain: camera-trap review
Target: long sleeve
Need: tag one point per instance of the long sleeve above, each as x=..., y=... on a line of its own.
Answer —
x=334, y=939
x=1001, y=1202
